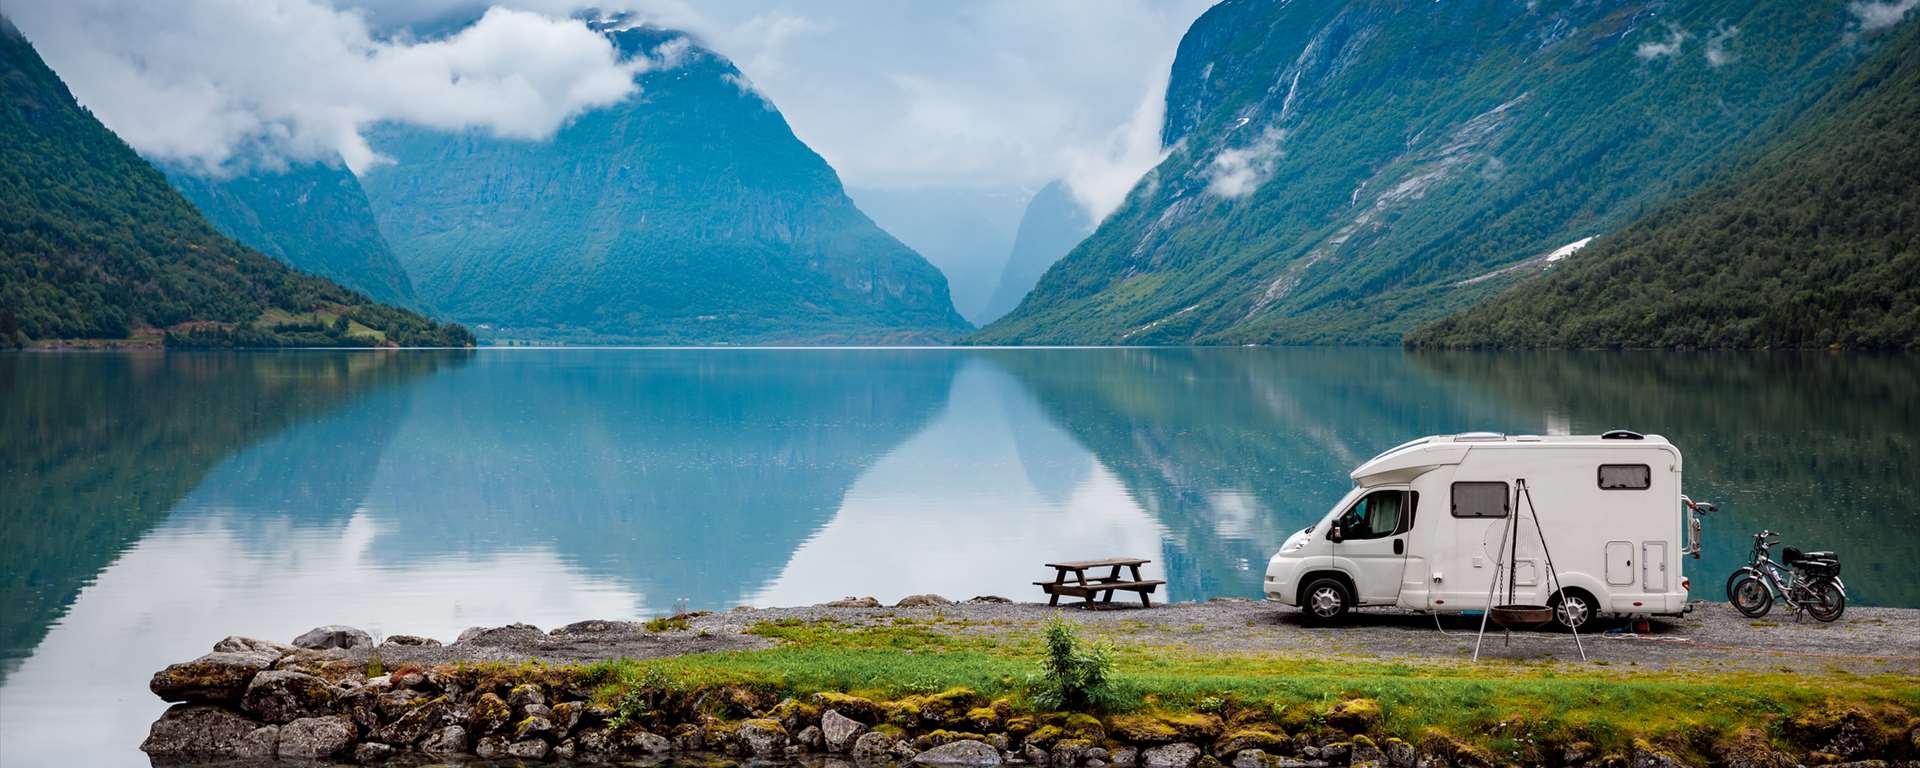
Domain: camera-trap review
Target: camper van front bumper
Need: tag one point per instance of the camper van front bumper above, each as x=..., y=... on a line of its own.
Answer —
x=1283, y=579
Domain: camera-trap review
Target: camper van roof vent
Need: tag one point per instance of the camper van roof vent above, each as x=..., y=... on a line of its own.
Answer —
x=1622, y=434
x=1478, y=437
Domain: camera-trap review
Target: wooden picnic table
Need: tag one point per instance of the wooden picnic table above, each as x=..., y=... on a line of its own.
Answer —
x=1070, y=579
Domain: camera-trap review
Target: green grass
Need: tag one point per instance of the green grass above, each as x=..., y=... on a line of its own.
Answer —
x=1501, y=706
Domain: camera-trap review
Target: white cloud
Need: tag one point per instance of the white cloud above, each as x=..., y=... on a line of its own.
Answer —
x=767, y=35
x=1875, y=14
x=988, y=93
x=217, y=82
x=1239, y=171
x=1717, y=53
x=991, y=93
x=1650, y=50
x=1101, y=175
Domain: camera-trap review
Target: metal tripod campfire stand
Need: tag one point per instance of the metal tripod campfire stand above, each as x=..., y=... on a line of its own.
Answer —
x=1510, y=615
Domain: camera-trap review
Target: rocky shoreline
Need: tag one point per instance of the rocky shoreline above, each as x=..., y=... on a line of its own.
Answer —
x=332, y=695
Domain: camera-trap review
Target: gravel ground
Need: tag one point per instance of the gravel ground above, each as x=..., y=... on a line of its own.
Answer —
x=1712, y=636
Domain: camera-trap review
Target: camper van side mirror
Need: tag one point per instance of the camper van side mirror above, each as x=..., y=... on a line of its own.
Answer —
x=1334, y=534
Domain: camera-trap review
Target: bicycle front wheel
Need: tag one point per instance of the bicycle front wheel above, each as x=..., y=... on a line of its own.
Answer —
x=1828, y=601
x=1750, y=596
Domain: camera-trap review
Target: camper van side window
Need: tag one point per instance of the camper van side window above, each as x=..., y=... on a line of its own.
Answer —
x=1625, y=477
x=1478, y=499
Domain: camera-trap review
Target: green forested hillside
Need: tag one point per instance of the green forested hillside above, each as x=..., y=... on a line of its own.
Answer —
x=1815, y=243
x=689, y=213
x=1340, y=173
x=95, y=245
x=311, y=215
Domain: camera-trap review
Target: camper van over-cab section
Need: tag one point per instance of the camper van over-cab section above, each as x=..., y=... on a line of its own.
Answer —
x=1423, y=529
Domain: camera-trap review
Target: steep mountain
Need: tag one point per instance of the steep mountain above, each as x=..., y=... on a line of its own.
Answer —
x=1343, y=172
x=311, y=215
x=965, y=231
x=1053, y=224
x=688, y=213
x=1814, y=243
x=95, y=245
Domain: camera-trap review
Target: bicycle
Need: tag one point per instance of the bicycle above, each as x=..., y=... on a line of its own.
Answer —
x=1805, y=581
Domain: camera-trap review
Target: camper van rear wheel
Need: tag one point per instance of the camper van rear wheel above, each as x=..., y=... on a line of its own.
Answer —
x=1573, y=611
x=1326, y=599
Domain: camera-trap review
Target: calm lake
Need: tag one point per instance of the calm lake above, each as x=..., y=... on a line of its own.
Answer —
x=152, y=503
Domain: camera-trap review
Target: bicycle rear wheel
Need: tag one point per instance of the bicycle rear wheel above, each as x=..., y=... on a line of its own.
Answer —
x=1750, y=596
x=1828, y=602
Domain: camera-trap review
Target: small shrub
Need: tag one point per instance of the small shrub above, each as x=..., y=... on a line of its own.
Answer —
x=1075, y=674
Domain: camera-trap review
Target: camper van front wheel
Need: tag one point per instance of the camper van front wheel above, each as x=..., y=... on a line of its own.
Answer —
x=1573, y=611
x=1327, y=599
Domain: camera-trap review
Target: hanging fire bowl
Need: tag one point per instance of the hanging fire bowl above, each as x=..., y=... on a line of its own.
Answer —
x=1521, y=616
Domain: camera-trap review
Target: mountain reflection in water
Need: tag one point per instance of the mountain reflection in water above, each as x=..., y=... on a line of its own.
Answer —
x=156, y=502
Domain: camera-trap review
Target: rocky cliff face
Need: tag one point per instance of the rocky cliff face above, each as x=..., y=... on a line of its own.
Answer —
x=312, y=216
x=689, y=213
x=1340, y=172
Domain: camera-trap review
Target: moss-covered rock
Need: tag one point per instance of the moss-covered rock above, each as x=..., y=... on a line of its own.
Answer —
x=280, y=696
x=1141, y=729
x=850, y=706
x=1354, y=715
x=794, y=714
x=1248, y=738
x=1462, y=754
x=984, y=719
x=942, y=736
x=216, y=678
x=948, y=706
x=490, y=713
x=1847, y=731
x=1749, y=748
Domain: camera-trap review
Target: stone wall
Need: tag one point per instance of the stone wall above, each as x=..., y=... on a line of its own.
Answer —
x=314, y=701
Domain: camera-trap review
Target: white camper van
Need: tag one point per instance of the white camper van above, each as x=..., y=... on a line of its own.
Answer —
x=1422, y=529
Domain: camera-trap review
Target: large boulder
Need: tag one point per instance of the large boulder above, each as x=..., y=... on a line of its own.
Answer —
x=333, y=636
x=839, y=731
x=198, y=730
x=238, y=644
x=415, y=723
x=316, y=738
x=280, y=696
x=635, y=741
x=261, y=744
x=528, y=749
x=763, y=738
x=873, y=748
x=1181, y=755
x=852, y=602
x=967, y=752
x=451, y=740
x=216, y=678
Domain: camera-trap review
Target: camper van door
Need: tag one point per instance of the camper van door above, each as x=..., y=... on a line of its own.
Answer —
x=1374, y=542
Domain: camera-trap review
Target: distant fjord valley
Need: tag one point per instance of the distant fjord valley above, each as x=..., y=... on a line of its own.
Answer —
x=1702, y=175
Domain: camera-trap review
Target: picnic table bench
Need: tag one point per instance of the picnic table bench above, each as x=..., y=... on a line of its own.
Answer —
x=1070, y=579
